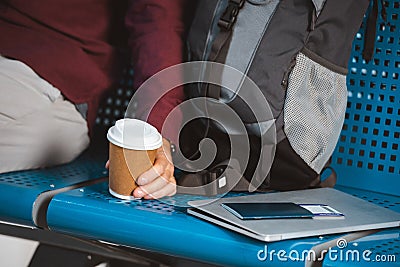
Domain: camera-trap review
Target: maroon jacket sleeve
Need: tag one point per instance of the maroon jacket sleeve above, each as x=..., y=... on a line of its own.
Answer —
x=155, y=30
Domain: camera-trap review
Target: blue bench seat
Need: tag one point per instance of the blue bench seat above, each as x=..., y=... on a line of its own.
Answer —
x=367, y=160
x=164, y=227
x=25, y=195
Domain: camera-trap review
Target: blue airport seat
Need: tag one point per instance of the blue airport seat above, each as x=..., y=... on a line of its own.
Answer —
x=367, y=157
x=366, y=160
x=164, y=227
x=21, y=191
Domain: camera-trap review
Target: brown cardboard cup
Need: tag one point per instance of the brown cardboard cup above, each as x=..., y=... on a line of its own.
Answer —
x=126, y=165
x=129, y=159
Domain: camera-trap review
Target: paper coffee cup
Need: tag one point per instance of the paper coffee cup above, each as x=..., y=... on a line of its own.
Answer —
x=133, y=145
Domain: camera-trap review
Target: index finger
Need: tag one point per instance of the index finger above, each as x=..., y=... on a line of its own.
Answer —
x=160, y=165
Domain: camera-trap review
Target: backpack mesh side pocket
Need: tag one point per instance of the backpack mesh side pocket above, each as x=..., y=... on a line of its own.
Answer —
x=314, y=110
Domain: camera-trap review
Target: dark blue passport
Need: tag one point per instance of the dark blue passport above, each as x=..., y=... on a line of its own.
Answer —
x=273, y=210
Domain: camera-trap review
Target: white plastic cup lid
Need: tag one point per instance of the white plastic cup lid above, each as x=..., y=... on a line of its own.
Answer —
x=134, y=134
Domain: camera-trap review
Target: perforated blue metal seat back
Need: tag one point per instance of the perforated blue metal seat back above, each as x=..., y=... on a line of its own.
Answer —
x=367, y=155
x=116, y=103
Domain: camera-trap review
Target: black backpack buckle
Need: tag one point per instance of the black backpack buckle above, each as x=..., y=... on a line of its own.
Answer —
x=230, y=14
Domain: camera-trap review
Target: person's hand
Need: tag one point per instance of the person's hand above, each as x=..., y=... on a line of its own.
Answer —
x=159, y=181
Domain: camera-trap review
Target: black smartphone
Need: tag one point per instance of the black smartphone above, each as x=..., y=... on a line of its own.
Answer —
x=272, y=210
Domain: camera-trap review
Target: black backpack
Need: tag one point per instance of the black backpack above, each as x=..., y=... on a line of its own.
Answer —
x=296, y=53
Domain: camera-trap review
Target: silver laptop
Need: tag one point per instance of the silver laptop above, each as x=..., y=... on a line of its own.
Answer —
x=359, y=215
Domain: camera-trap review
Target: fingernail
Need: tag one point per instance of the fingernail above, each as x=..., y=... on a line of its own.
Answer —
x=140, y=193
x=143, y=181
